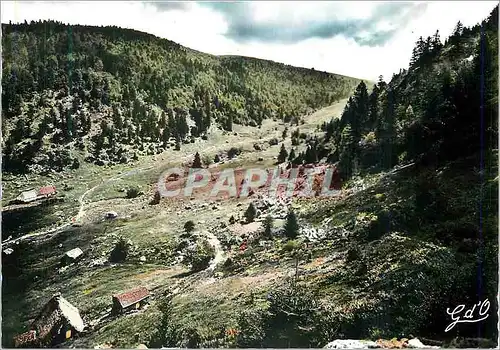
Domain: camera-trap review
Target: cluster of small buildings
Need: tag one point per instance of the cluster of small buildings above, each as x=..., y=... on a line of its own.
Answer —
x=33, y=195
x=59, y=320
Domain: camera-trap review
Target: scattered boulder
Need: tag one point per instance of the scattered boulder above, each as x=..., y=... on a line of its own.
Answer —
x=273, y=142
x=312, y=233
x=111, y=215
x=98, y=262
x=351, y=344
x=415, y=343
x=8, y=251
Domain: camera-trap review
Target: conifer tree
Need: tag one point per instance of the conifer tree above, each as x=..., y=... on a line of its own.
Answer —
x=388, y=134
x=283, y=154
x=291, y=156
x=250, y=213
x=196, y=161
x=360, y=110
x=311, y=156
x=285, y=132
x=291, y=225
x=177, y=143
x=189, y=226
x=229, y=123
x=346, y=152
x=165, y=136
x=163, y=120
x=268, y=226
x=373, y=107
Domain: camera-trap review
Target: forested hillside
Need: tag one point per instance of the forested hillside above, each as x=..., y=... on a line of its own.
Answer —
x=107, y=94
x=413, y=232
x=444, y=107
x=420, y=156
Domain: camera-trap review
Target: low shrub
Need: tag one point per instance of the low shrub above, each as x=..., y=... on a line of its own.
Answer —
x=199, y=256
x=120, y=251
x=133, y=192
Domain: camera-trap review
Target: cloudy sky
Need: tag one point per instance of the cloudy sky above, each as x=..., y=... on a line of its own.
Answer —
x=360, y=39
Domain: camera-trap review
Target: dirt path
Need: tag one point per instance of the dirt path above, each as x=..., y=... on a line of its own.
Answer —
x=219, y=252
x=78, y=217
x=266, y=134
x=35, y=234
x=81, y=211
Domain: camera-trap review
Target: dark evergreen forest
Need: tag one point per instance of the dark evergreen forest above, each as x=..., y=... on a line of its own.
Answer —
x=112, y=94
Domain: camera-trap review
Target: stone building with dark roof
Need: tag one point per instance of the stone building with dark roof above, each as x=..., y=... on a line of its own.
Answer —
x=57, y=322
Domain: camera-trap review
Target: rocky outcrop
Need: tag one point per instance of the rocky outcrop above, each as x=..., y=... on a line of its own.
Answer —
x=414, y=343
x=312, y=233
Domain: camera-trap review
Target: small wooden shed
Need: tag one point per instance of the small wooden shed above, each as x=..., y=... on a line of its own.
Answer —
x=131, y=300
x=47, y=191
x=71, y=256
x=27, y=196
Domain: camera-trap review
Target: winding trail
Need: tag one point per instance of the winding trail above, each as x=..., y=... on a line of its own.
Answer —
x=6, y=243
x=81, y=212
x=219, y=252
x=78, y=217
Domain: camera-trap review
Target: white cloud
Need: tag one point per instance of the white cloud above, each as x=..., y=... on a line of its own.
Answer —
x=385, y=26
x=297, y=12
x=202, y=28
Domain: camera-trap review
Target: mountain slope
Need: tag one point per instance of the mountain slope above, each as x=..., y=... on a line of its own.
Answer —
x=442, y=108
x=74, y=92
x=419, y=227
x=414, y=232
